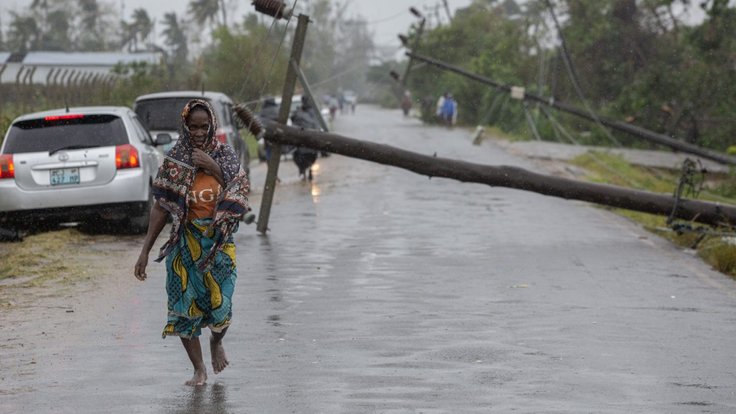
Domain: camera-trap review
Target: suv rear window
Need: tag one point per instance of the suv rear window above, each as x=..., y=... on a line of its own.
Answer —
x=164, y=114
x=37, y=135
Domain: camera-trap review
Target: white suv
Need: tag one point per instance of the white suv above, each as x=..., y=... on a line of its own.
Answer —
x=161, y=114
x=78, y=164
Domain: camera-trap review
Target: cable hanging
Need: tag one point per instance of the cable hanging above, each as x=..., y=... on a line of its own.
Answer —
x=572, y=74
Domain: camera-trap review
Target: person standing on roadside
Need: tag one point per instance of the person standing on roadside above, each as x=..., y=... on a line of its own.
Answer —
x=202, y=186
x=305, y=157
x=406, y=103
x=448, y=110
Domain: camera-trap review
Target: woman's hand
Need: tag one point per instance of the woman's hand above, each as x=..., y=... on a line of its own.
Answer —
x=202, y=160
x=140, y=267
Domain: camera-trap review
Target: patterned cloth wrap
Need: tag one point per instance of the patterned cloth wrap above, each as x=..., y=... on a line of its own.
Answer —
x=198, y=299
x=170, y=189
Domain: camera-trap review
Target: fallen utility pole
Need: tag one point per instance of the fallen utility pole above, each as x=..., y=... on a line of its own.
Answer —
x=617, y=125
x=504, y=176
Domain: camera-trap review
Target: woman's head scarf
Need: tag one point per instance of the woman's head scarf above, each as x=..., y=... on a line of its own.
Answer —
x=176, y=176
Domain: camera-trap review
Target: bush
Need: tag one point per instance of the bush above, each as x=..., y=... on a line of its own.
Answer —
x=721, y=253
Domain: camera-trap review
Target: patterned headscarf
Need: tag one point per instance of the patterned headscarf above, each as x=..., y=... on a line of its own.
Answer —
x=176, y=176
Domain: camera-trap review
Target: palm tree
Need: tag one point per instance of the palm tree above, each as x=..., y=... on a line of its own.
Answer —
x=90, y=12
x=90, y=35
x=41, y=6
x=142, y=23
x=175, y=38
x=56, y=36
x=205, y=11
x=128, y=35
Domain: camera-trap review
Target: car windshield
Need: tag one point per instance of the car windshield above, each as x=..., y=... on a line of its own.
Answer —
x=165, y=114
x=52, y=133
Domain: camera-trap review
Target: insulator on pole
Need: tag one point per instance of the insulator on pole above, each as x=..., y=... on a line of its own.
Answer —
x=249, y=119
x=274, y=8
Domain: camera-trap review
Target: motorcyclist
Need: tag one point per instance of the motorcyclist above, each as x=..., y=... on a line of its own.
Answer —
x=269, y=111
x=305, y=157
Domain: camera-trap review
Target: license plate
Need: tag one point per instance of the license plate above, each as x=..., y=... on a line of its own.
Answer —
x=65, y=176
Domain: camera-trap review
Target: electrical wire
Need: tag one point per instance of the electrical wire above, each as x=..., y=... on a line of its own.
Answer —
x=274, y=58
x=558, y=127
x=572, y=74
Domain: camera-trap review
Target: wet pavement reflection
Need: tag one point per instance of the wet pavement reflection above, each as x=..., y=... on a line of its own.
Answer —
x=204, y=399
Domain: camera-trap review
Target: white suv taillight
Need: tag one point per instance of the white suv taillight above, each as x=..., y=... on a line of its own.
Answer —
x=7, y=168
x=221, y=135
x=126, y=156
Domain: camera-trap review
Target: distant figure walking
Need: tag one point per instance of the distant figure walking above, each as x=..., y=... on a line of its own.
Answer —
x=305, y=157
x=448, y=111
x=440, y=102
x=406, y=103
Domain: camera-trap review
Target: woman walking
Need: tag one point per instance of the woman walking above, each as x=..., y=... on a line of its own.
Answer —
x=202, y=186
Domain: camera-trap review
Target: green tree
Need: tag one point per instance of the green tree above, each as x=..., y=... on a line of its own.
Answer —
x=24, y=33
x=143, y=24
x=482, y=38
x=3, y=45
x=91, y=36
x=128, y=36
x=58, y=31
x=205, y=12
x=239, y=62
x=175, y=39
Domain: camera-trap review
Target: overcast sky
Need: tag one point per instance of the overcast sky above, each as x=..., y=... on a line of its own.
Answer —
x=387, y=18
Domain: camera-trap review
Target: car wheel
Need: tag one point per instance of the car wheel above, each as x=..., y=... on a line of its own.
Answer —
x=139, y=224
x=10, y=234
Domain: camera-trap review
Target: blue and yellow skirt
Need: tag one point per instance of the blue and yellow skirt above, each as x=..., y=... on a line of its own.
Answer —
x=199, y=299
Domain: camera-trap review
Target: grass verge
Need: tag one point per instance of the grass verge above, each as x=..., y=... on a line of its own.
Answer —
x=712, y=246
x=42, y=257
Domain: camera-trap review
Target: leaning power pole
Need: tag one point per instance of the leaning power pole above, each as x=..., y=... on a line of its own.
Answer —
x=277, y=10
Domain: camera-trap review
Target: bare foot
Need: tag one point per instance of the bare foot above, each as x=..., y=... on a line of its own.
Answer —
x=199, y=378
x=219, y=359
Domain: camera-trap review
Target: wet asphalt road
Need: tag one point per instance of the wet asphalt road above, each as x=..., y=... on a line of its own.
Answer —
x=380, y=291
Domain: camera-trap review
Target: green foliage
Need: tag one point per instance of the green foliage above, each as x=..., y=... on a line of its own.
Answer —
x=720, y=253
x=239, y=64
x=635, y=61
x=614, y=169
x=5, y=121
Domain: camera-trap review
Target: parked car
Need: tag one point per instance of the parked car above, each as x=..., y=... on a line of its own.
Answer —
x=161, y=114
x=79, y=164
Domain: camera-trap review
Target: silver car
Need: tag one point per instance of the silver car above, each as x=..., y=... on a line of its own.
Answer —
x=81, y=164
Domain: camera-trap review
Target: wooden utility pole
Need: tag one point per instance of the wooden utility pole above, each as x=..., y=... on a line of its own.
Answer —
x=419, y=33
x=308, y=90
x=284, y=112
x=617, y=125
x=447, y=10
x=506, y=176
